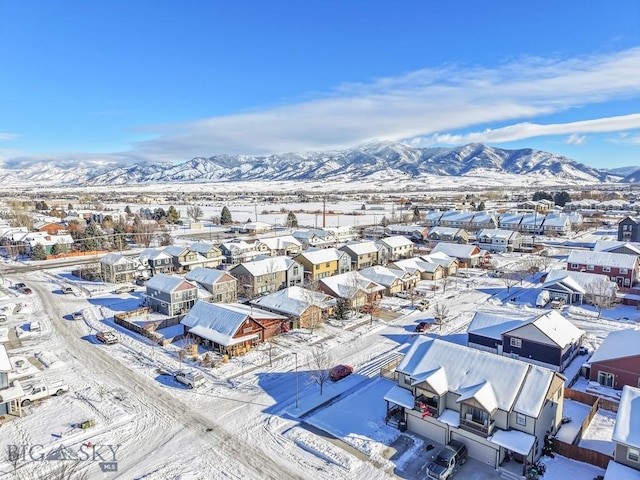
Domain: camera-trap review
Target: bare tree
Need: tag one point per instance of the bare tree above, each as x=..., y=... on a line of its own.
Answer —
x=446, y=282
x=509, y=281
x=440, y=315
x=319, y=364
x=194, y=212
x=601, y=294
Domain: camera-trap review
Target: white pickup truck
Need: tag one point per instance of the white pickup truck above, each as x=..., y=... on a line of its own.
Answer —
x=41, y=390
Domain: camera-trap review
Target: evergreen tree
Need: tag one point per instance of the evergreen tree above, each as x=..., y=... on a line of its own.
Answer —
x=292, y=220
x=159, y=214
x=173, y=215
x=38, y=252
x=562, y=198
x=384, y=222
x=69, y=207
x=540, y=195
x=416, y=214
x=225, y=216
x=341, y=309
x=91, y=240
x=481, y=207
x=127, y=210
x=58, y=248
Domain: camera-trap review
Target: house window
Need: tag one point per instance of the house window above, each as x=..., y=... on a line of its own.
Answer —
x=479, y=416
x=606, y=269
x=521, y=419
x=589, y=267
x=633, y=455
x=516, y=342
x=574, y=265
x=606, y=379
x=623, y=271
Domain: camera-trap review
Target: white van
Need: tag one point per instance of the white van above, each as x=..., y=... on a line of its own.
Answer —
x=35, y=327
x=543, y=298
x=190, y=378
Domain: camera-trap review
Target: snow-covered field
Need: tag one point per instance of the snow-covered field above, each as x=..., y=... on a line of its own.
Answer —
x=244, y=423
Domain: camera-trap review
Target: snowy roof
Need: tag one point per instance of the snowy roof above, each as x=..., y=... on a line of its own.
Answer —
x=456, y=250
x=416, y=264
x=618, y=344
x=322, y=255
x=346, y=285
x=267, y=265
x=206, y=276
x=219, y=322
x=496, y=233
x=455, y=216
x=115, y=258
x=556, y=220
x=577, y=281
x=514, y=440
x=294, y=300
x=606, y=259
x=11, y=393
x=440, y=258
x=406, y=228
x=514, y=384
x=5, y=364
x=492, y=326
x=450, y=417
x=153, y=254
x=361, y=248
x=483, y=394
x=608, y=245
x=201, y=247
x=557, y=328
x=617, y=471
x=277, y=243
x=166, y=283
x=627, y=429
x=176, y=250
x=445, y=231
x=396, y=241
x=400, y=396
x=382, y=275
x=436, y=379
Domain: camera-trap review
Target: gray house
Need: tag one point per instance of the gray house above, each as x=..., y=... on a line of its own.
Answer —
x=116, y=268
x=222, y=285
x=10, y=393
x=626, y=434
x=171, y=295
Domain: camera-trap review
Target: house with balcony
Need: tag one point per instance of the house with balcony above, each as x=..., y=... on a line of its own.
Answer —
x=626, y=435
x=170, y=295
x=286, y=245
x=578, y=287
x=304, y=308
x=616, y=362
x=498, y=240
x=210, y=255
x=324, y=262
x=238, y=251
x=267, y=275
x=315, y=238
x=398, y=247
x=629, y=229
x=222, y=286
x=447, y=234
x=363, y=254
x=620, y=268
x=419, y=268
x=393, y=280
x=116, y=268
x=416, y=233
x=184, y=259
x=10, y=391
x=495, y=405
x=467, y=255
x=156, y=261
x=548, y=340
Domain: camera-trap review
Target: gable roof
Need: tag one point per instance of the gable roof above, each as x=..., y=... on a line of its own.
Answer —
x=606, y=259
x=618, y=344
x=216, y=322
x=457, y=250
x=266, y=265
x=167, y=283
x=202, y=247
x=609, y=245
x=207, y=276
x=361, y=248
x=515, y=385
x=322, y=255
x=294, y=300
x=627, y=428
x=116, y=259
x=396, y=241
x=346, y=285
x=278, y=243
x=154, y=254
x=576, y=281
x=382, y=275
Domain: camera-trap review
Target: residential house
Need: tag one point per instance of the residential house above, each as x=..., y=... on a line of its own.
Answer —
x=556, y=224
x=491, y=403
x=626, y=432
x=267, y=275
x=231, y=328
x=304, y=308
x=157, y=261
x=398, y=247
x=252, y=228
x=31, y=239
x=613, y=246
x=450, y=264
x=51, y=228
x=170, y=295
x=617, y=471
x=416, y=233
x=315, y=238
x=510, y=221
x=238, y=251
x=578, y=287
x=184, y=259
x=10, y=392
x=483, y=220
x=548, y=340
x=447, y=234
x=211, y=256
x=456, y=219
x=392, y=279
x=468, y=255
x=498, y=240
x=116, y=268
x=616, y=362
x=322, y=263
x=629, y=229
x=222, y=285
x=620, y=268
x=432, y=218
x=363, y=254
x=278, y=246
x=420, y=268
x=353, y=287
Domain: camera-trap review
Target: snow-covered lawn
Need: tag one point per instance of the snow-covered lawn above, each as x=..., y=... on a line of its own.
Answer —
x=577, y=412
x=562, y=468
x=598, y=434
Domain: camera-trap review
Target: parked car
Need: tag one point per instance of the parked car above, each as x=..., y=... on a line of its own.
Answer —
x=108, y=338
x=423, y=304
x=67, y=290
x=19, y=286
x=3, y=318
x=557, y=303
x=41, y=390
x=447, y=461
x=77, y=316
x=125, y=289
x=27, y=291
x=423, y=326
x=543, y=298
x=405, y=295
x=35, y=327
x=190, y=378
x=339, y=372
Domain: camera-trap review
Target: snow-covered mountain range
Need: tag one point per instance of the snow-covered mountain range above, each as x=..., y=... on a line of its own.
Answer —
x=369, y=162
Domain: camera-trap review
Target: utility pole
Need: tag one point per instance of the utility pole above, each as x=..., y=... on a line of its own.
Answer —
x=295, y=355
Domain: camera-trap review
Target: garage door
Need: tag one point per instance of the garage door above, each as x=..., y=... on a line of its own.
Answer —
x=430, y=430
x=477, y=450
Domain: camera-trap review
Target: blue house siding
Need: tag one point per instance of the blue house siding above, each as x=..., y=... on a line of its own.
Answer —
x=535, y=351
x=482, y=340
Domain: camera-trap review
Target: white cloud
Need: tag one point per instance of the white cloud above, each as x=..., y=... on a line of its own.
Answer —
x=575, y=139
x=6, y=136
x=625, y=138
x=417, y=104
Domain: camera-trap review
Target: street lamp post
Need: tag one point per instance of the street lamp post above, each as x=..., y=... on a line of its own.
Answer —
x=295, y=354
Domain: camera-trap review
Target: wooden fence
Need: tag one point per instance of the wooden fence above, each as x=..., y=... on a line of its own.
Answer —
x=147, y=330
x=581, y=454
x=590, y=399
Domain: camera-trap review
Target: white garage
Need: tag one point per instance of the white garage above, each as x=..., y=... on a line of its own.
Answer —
x=429, y=429
x=480, y=451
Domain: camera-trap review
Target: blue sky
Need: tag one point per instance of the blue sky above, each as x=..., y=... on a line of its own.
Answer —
x=168, y=81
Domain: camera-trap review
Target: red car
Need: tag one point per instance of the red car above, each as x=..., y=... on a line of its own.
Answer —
x=27, y=291
x=340, y=371
x=423, y=326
